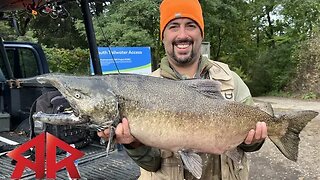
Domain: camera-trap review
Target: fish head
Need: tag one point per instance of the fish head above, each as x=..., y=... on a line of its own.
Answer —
x=90, y=98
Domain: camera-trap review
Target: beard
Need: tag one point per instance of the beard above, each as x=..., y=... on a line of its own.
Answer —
x=182, y=60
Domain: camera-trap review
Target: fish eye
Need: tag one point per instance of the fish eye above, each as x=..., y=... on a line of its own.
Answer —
x=77, y=95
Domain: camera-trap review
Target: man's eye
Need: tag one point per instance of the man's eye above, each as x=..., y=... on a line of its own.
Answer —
x=191, y=26
x=173, y=27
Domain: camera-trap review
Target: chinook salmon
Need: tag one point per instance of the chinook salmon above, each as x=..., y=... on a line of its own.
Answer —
x=185, y=116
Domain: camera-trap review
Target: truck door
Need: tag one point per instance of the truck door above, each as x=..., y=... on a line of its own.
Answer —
x=21, y=60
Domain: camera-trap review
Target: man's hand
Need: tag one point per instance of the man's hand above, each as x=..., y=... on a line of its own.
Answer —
x=123, y=134
x=257, y=135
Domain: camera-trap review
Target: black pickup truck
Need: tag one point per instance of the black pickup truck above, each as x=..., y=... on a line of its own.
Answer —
x=17, y=61
x=20, y=60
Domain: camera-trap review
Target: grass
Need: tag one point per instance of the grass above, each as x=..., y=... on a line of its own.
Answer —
x=297, y=95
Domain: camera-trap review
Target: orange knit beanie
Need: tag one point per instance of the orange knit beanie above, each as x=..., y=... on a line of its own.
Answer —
x=172, y=9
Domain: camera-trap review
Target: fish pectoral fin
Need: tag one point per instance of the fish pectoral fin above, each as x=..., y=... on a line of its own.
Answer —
x=192, y=162
x=207, y=87
x=236, y=155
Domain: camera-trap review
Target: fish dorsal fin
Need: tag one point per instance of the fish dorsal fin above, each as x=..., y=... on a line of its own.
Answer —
x=207, y=87
x=192, y=162
x=266, y=107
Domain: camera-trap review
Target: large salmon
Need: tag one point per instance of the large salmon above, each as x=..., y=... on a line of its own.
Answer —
x=179, y=116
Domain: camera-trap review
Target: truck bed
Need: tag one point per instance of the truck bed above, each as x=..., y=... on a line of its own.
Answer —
x=95, y=164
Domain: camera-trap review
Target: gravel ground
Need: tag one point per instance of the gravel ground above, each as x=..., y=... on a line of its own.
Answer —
x=268, y=163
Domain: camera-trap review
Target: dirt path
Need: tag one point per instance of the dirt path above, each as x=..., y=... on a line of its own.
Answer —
x=268, y=163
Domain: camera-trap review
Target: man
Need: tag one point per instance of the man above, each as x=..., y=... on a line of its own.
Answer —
x=182, y=31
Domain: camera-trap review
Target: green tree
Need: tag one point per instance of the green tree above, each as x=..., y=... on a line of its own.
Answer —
x=59, y=32
x=229, y=29
x=302, y=18
x=256, y=38
x=307, y=70
x=11, y=33
x=74, y=61
x=129, y=23
x=7, y=32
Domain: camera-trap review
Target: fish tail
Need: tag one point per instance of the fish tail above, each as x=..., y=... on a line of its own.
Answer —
x=288, y=143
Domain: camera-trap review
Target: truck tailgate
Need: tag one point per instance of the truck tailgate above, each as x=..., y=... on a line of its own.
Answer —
x=94, y=165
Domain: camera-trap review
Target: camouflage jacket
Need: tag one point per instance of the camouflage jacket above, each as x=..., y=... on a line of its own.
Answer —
x=159, y=164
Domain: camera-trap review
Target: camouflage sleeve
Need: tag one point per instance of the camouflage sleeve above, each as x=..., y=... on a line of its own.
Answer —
x=243, y=95
x=146, y=157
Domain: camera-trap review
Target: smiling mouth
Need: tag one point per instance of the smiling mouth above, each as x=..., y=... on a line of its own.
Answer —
x=183, y=46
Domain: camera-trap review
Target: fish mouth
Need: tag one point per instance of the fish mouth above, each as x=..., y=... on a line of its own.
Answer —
x=73, y=115
x=70, y=118
x=66, y=113
x=63, y=118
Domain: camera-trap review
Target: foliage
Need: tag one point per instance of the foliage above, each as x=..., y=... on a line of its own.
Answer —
x=9, y=33
x=128, y=23
x=59, y=32
x=267, y=42
x=74, y=61
x=257, y=38
x=280, y=93
x=310, y=95
x=225, y=23
x=308, y=68
x=302, y=18
x=272, y=70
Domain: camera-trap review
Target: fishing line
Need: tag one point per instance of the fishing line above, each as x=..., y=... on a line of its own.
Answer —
x=108, y=45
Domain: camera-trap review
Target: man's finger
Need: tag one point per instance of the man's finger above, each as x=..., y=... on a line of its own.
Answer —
x=106, y=131
x=104, y=134
x=126, y=129
x=264, y=130
x=101, y=134
x=119, y=130
x=250, y=136
x=258, y=132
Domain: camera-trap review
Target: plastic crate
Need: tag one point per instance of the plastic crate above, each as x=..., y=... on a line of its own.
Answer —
x=4, y=122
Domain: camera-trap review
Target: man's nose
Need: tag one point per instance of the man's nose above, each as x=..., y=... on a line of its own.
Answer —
x=182, y=33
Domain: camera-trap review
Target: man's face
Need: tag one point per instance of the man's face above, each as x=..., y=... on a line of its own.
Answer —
x=182, y=41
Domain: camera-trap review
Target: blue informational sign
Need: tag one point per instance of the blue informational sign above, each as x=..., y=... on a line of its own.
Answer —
x=125, y=59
